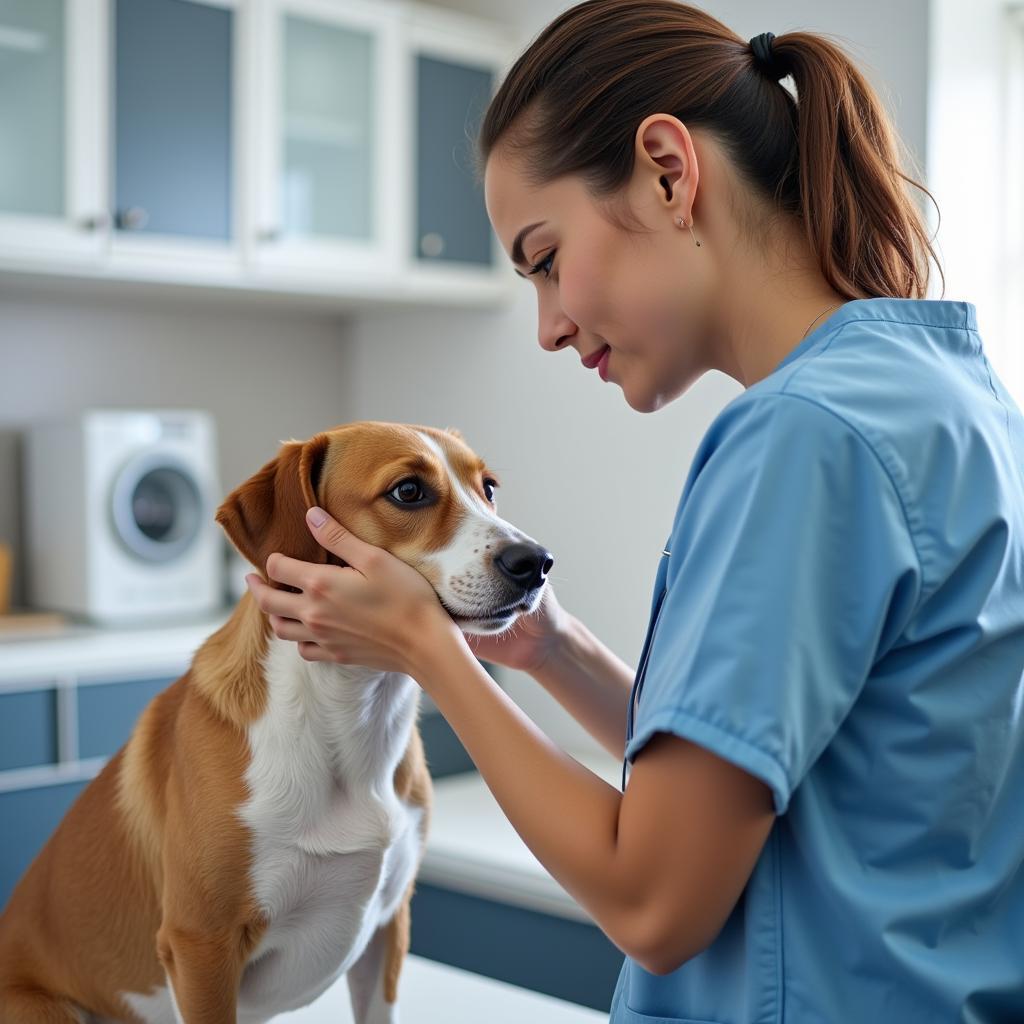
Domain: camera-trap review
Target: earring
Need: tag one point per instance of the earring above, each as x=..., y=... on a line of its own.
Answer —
x=679, y=221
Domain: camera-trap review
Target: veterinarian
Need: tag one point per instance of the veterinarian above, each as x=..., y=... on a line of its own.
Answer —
x=825, y=740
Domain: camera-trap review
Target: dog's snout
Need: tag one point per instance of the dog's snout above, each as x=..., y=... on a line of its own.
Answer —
x=526, y=565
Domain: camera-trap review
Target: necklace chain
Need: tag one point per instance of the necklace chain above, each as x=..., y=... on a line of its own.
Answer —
x=817, y=318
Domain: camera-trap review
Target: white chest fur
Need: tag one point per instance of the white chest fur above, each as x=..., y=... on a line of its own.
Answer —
x=334, y=849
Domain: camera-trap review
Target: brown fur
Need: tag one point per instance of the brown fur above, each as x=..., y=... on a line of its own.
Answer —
x=149, y=869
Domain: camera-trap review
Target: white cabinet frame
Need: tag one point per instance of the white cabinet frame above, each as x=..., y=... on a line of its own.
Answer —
x=326, y=259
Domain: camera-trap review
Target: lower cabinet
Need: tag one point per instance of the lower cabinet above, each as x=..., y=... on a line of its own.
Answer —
x=53, y=740
x=28, y=817
x=562, y=958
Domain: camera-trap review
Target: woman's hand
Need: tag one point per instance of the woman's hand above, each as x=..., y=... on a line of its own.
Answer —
x=529, y=643
x=376, y=611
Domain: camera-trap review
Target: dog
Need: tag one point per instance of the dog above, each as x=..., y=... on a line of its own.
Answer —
x=260, y=832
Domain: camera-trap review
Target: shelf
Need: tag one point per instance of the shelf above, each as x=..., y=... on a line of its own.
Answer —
x=324, y=131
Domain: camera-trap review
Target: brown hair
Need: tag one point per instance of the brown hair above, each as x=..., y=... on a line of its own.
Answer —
x=571, y=104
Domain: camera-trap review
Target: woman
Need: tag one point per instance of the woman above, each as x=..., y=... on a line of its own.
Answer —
x=822, y=820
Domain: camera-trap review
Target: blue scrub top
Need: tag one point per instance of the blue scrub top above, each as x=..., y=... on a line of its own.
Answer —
x=841, y=614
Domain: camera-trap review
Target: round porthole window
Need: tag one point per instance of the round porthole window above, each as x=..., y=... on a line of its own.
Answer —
x=157, y=507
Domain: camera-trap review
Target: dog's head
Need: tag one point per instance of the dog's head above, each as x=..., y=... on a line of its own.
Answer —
x=419, y=492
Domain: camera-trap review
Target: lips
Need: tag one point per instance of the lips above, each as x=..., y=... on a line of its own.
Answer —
x=502, y=613
x=595, y=357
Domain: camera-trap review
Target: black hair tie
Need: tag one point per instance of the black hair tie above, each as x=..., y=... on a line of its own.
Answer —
x=765, y=58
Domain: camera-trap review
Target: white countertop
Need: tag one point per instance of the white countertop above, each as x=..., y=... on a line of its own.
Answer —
x=473, y=848
x=435, y=993
x=91, y=651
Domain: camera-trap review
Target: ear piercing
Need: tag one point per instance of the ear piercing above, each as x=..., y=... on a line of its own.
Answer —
x=679, y=221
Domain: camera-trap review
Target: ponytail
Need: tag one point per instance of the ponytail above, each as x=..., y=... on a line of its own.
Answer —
x=571, y=104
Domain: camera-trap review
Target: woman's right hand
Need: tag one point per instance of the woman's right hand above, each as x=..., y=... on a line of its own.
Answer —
x=530, y=641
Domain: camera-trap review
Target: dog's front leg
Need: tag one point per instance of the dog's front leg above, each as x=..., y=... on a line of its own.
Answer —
x=373, y=978
x=203, y=970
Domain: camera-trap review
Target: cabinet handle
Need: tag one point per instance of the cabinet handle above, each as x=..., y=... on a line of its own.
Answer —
x=95, y=222
x=432, y=244
x=132, y=219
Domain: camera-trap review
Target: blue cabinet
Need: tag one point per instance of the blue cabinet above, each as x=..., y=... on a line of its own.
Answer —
x=28, y=729
x=107, y=713
x=27, y=819
x=568, y=959
x=53, y=741
x=173, y=118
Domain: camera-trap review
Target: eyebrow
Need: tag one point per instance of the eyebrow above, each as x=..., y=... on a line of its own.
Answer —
x=517, y=245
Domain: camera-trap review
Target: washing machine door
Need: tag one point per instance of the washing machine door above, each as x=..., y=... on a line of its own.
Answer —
x=157, y=507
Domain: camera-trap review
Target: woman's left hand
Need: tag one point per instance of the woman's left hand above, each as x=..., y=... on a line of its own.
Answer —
x=376, y=611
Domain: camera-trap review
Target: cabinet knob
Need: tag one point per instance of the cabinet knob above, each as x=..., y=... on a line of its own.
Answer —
x=432, y=244
x=269, y=235
x=132, y=219
x=95, y=222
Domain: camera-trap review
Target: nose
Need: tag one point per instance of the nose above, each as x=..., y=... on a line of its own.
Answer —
x=525, y=565
x=553, y=325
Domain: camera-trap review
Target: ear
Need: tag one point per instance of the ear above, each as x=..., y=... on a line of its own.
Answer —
x=268, y=512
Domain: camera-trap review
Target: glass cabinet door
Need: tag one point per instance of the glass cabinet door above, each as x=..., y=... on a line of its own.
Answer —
x=51, y=127
x=327, y=131
x=329, y=107
x=451, y=219
x=173, y=127
x=32, y=114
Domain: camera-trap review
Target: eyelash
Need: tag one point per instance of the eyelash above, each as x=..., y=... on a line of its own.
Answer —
x=540, y=267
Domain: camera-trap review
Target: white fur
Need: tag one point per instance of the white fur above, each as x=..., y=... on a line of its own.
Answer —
x=334, y=850
x=469, y=584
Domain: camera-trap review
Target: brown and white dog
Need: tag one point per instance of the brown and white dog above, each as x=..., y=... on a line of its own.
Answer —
x=260, y=832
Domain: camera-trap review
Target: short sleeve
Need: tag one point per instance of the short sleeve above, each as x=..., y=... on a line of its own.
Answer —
x=791, y=566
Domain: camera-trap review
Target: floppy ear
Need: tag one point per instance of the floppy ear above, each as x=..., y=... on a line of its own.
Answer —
x=268, y=512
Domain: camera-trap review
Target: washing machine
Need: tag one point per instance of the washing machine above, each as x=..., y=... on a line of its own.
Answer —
x=119, y=516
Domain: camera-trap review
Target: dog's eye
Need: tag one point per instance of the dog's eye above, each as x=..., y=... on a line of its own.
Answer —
x=489, y=486
x=408, y=492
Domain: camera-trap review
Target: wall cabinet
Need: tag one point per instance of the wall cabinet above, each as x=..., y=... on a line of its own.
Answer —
x=311, y=147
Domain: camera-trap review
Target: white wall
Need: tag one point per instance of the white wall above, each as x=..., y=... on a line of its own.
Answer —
x=582, y=472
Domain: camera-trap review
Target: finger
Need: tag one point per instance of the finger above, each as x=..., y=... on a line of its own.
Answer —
x=289, y=629
x=313, y=652
x=340, y=541
x=292, y=571
x=273, y=601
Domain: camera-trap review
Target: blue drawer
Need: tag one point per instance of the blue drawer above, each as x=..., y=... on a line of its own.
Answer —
x=28, y=818
x=107, y=713
x=28, y=729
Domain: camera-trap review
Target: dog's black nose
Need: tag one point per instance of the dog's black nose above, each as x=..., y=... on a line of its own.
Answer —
x=526, y=565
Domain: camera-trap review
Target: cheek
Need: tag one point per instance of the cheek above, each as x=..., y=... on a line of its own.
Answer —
x=583, y=291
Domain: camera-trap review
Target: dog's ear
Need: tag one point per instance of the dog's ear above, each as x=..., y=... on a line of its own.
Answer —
x=267, y=513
